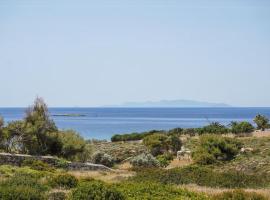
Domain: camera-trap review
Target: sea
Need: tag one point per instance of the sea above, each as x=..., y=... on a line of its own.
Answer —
x=102, y=123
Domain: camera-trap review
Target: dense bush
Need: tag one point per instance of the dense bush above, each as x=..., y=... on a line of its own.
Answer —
x=64, y=181
x=20, y=193
x=103, y=158
x=144, y=160
x=213, y=148
x=96, y=190
x=203, y=176
x=132, y=136
x=165, y=159
x=161, y=143
x=239, y=195
x=37, y=165
x=22, y=187
x=214, y=128
x=241, y=127
x=72, y=144
x=155, y=191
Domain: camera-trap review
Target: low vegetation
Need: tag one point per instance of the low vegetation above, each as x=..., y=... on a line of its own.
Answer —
x=219, y=160
x=213, y=148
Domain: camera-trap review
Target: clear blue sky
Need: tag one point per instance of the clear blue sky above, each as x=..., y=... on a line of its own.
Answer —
x=81, y=53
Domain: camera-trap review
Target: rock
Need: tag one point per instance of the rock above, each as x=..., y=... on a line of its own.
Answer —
x=18, y=159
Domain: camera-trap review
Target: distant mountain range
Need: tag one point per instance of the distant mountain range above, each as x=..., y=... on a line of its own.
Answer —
x=172, y=103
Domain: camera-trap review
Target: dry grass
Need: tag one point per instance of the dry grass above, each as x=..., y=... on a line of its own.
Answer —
x=178, y=163
x=261, y=133
x=109, y=177
x=214, y=191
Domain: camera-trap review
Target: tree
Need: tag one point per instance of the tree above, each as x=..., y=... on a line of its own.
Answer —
x=262, y=122
x=38, y=125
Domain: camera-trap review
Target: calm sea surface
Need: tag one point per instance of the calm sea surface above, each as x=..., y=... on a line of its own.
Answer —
x=102, y=123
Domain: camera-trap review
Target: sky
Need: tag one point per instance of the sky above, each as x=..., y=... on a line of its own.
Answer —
x=95, y=53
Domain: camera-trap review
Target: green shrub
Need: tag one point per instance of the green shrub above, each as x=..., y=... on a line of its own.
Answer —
x=132, y=136
x=239, y=195
x=64, y=181
x=144, y=160
x=155, y=191
x=213, y=148
x=57, y=195
x=37, y=165
x=157, y=143
x=203, y=176
x=241, y=127
x=103, y=158
x=61, y=163
x=20, y=192
x=95, y=190
x=165, y=159
x=214, y=128
x=22, y=187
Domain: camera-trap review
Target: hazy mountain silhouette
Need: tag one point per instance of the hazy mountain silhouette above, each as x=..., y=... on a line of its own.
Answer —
x=172, y=103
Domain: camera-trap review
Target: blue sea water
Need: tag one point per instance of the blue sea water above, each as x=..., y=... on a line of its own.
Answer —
x=102, y=123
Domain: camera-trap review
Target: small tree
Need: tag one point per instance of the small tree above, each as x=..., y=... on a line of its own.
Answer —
x=241, y=127
x=37, y=125
x=262, y=122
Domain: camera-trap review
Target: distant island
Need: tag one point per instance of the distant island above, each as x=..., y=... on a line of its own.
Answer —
x=68, y=115
x=172, y=103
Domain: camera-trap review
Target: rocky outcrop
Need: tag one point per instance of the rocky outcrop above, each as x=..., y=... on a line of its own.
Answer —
x=18, y=159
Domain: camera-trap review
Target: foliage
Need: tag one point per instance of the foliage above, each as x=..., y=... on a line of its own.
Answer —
x=203, y=176
x=120, y=151
x=13, y=137
x=57, y=195
x=262, y=122
x=165, y=159
x=176, y=131
x=64, y=181
x=241, y=127
x=103, y=158
x=22, y=187
x=37, y=126
x=20, y=193
x=145, y=160
x=190, y=131
x=1, y=122
x=239, y=195
x=214, y=128
x=155, y=191
x=95, y=190
x=72, y=144
x=213, y=148
x=132, y=136
x=159, y=144
x=37, y=165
